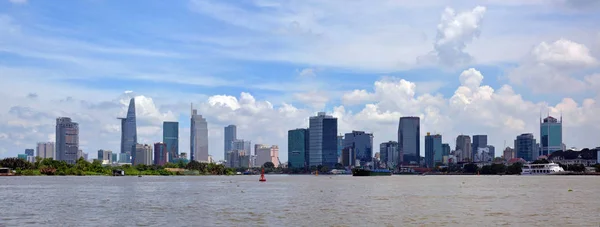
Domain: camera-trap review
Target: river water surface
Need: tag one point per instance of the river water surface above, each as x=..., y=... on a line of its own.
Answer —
x=301, y=201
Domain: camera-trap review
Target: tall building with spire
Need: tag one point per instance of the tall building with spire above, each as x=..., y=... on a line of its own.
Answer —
x=550, y=135
x=67, y=140
x=198, y=137
x=128, y=134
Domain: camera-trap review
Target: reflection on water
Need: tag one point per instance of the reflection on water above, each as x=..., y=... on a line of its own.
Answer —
x=301, y=201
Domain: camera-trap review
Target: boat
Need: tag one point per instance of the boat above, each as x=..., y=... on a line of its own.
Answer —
x=367, y=172
x=6, y=172
x=541, y=169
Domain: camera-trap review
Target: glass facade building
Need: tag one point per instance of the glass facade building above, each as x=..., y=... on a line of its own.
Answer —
x=230, y=136
x=129, y=133
x=161, y=154
x=362, y=144
x=171, y=139
x=433, y=150
x=550, y=135
x=526, y=147
x=29, y=152
x=445, y=149
x=389, y=154
x=479, y=141
x=409, y=142
x=198, y=137
x=298, y=148
x=67, y=140
x=322, y=134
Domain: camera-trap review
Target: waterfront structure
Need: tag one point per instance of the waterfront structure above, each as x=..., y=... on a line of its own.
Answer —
x=67, y=140
x=198, y=138
x=362, y=144
x=298, y=148
x=409, y=141
x=29, y=152
x=479, y=141
x=525, y=147
x=389, y=154
x=105, y=156
x=463, y=148
x=171, y=139
x=129, y=133
x=45, y=150
x=322, y=132
x=229, y=136
x=550, y=135
x=433, y=149
x=161, y=154
x=265, y=153
x=143, y=154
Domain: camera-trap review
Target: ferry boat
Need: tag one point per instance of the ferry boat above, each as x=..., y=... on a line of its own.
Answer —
x=367, y=172
x=541, y=169
x=6, y=172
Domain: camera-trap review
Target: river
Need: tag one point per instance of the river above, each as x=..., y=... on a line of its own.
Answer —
x=300, y=201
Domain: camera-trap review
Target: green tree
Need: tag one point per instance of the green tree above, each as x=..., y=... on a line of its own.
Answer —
x=515, y=168
x=597, y=166
x=269, y=165
x=470, y=168
x=498, y=168
x=14, y=163
x=324, y=169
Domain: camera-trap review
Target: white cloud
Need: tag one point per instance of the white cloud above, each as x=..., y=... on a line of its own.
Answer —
x=314, y=98
x=308, y=72
x=563, y=53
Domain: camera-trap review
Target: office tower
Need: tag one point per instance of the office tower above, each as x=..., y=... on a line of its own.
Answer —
x=22, y=157
x=79, y=154
x=478, y=142
x=45, y=150
x=198, y=138
x=229, y=136
x=106, y=156
x=298, y=148
x=242, y=145
x=508, y=153
x=85, y=156
x=362, y=144
x=433, y=149
x=161, y=154
x=409, y=131
x=29, y=152
x=389, y=154
x=171, y=139
x=129, y=133
x=492, y=151
x=550, y=135
x=124, y=158
x=525, y=147
x=463, y=150
x=340, y=146
x=322, y=133
x=348, y=157
x=143, y=154
x=266, y=153
x=445, y=149
x=67, y=140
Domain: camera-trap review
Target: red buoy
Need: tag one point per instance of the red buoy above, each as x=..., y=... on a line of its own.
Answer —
x=262, y=175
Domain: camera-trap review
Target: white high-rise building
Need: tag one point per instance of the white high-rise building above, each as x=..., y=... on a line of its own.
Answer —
x=265, y=153
x=45, y=150
x=198, y=138
x=143, y=154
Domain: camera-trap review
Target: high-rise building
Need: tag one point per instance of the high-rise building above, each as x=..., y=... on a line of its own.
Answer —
x=45, y=150
x=322, y=133
x=229, y=136
x=433, y=149
x=463, y=150
x=492, y=150
x=105, y=156
x=129, y=133
x=348, y=157
x=298, y=148
x=85, y=156
x=143, y=154
x=265, y=153
x=198, y=138
x=29, y=152
x=525, y=147
x=508, y=153
x=243, y=145
x=362, y=144
x=445, y=149
x=161, y=154
x=171, y=139
x=340, y=146
x=409, y=141
x=389, y=154
x=479, y=141
x=550, y=135
x=67, y=140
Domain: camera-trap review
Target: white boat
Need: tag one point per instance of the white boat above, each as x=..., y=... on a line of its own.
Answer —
x=541, y=169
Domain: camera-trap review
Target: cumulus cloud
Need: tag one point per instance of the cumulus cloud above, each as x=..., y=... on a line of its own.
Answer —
x=454, y=32
x=551, y=67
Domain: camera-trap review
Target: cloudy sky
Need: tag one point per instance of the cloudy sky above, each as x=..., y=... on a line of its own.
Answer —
x=464, y=67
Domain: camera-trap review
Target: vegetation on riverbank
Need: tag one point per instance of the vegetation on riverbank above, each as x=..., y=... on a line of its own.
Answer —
x=84, y=168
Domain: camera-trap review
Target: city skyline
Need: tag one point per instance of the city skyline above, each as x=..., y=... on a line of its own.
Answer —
x=380, y=70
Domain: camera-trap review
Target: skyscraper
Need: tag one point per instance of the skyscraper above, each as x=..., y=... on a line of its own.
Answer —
x=340, y=146
x=229, y=136
x=298, y=148
x=525, y=147
x=433, y=149
x=129, y=133
x=105, y=156
x=463, y=148
x=362, y=143
x=508, y=153
x=550, y=135
x=67, y=140
x=322, y=132
x=198, y=138
x=389, y=154
x=265, y=153
x=445, y=149
x=143, y=154
x=492, y=150
x=479, y=141
x=171, y=139
x=29, y=152
x=409, y=141
x=45, y=150
x=161, y=154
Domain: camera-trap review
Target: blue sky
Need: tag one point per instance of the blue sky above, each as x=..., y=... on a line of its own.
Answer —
x=295, y=58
